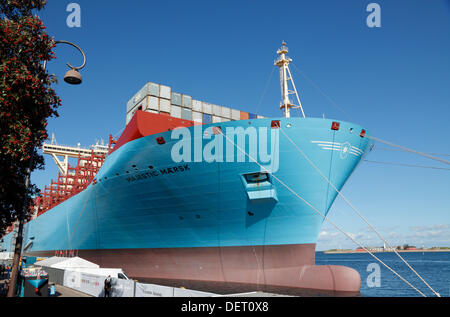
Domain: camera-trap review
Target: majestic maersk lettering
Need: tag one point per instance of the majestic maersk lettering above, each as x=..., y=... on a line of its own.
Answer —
x=176, y=169
x=164, y=171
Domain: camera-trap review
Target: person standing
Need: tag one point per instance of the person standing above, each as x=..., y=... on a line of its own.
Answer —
x=52, y=290
x=108, y=286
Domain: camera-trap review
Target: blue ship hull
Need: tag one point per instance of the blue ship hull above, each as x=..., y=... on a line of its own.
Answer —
x=197, y=221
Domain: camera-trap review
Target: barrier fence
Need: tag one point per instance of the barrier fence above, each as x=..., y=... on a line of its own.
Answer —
x=93, y=285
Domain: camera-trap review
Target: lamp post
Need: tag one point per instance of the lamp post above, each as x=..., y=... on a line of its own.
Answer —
x=72, y=77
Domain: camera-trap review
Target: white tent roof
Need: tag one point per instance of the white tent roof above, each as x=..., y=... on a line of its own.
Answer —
x=50, y=261
x=64, y=263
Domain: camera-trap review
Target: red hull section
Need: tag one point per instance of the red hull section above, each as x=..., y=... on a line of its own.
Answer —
x=283, y=269
x=146, y=123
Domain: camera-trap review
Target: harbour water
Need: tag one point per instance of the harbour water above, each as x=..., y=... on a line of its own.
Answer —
x=378, y=281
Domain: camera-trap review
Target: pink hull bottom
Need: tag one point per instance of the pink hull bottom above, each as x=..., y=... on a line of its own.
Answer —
x=281, y=269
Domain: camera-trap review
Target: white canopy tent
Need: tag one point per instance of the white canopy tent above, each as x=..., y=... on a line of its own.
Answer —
x=66, y=263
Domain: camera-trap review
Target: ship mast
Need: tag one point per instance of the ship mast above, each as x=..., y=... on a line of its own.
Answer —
x=285, y=75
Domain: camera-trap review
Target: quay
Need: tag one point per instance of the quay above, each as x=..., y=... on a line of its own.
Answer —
x=67, y=285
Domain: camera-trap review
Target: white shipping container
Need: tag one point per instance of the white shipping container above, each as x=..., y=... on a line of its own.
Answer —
x=197, y=105
x=175, y=111
x=131, y=113
x=217, y=110
x=224, y=119
x=235, y=114
x=136, y=99
x=207, y=108
x=140, y=95
x=260, y=117
x=164, y=92
x=151, y=111
x=164, y=105
x=153, y=103
x=226, y=112
x=129, y=105
x=129, y=116
x=216, y=119
x=142, y=105
x=197, y=116
x=152, y=89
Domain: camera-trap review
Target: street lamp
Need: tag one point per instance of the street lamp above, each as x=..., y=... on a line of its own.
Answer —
x=72, y=77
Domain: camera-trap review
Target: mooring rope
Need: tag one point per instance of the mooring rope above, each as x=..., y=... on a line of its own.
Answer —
x=409, y=165
x=265, y=90
x=357, y=211
x=320, y=91
x=323, y=216
x=409, y=150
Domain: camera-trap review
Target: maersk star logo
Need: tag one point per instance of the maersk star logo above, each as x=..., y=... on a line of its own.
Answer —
x=345, y=148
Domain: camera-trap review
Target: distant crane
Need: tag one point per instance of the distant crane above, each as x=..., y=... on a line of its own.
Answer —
x=56, y=150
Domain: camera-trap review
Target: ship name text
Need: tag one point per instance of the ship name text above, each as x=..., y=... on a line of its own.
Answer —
x=156, y=173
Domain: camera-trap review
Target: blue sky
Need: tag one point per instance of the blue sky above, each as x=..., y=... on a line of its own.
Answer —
x=393, y=80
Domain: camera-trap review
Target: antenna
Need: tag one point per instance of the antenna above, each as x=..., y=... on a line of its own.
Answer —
x=283, y=63
x=53, y=139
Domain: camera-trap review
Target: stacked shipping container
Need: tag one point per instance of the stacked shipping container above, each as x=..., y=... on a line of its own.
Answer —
x=161, y=99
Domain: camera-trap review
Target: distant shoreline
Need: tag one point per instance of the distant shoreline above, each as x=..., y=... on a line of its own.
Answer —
x=386, y=251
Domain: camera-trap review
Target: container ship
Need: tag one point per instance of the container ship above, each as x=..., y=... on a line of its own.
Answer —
x=207, y=197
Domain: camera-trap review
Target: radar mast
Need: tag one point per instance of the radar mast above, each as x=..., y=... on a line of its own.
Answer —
x=285, y=76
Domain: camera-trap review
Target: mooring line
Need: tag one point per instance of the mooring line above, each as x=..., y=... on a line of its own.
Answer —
x=357, y=211
x=409, y=150
x=409, y=165
x=324, y=217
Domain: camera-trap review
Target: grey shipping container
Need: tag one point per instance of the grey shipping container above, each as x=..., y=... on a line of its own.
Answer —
x=206, y=118
x=186, y=114
x=176, y=99
x=187, y=101
x=153, y=89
